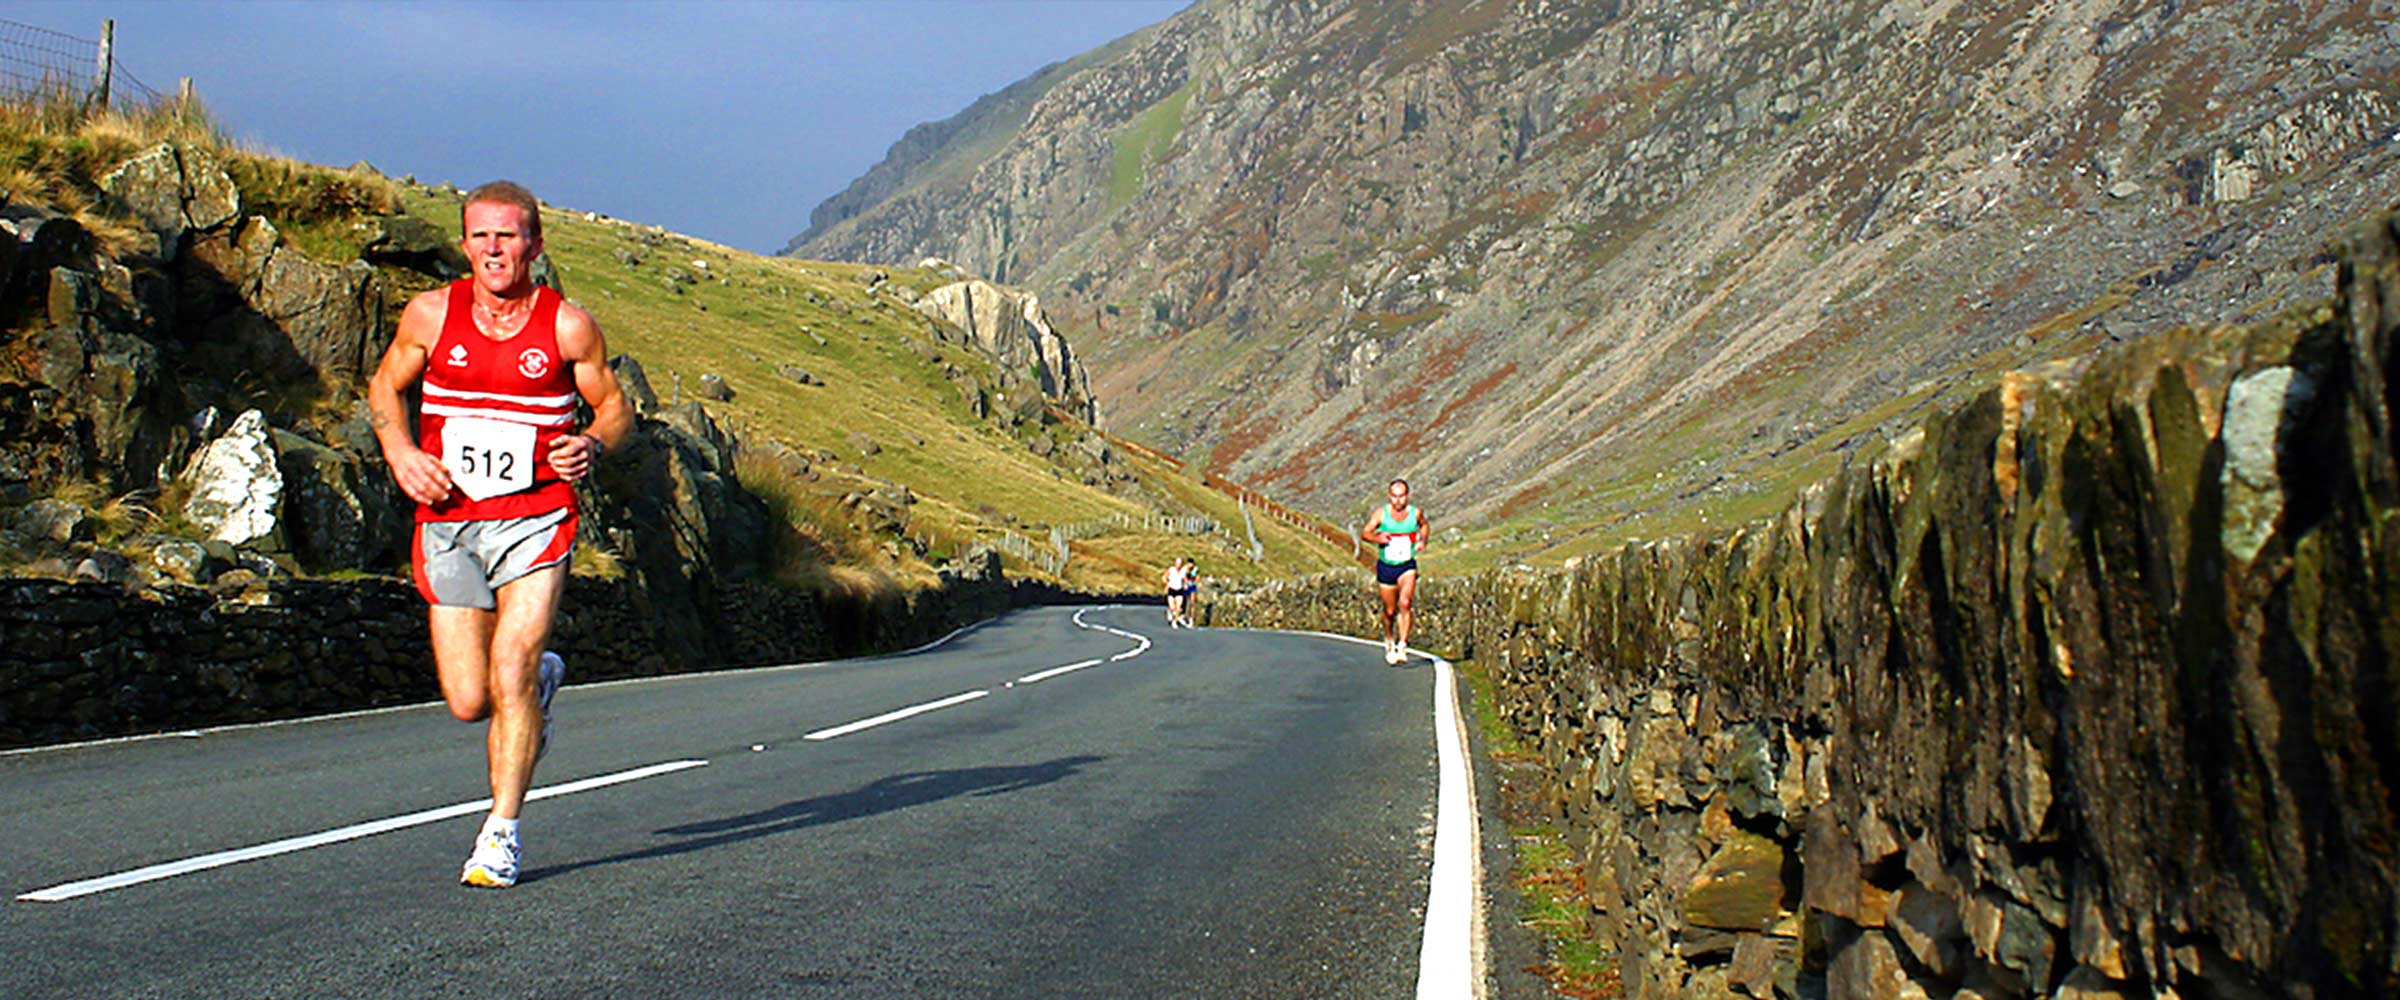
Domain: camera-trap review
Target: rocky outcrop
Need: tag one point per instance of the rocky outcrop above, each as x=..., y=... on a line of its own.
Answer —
x=252, y=303
x=666, y=505
x=85, y=394
x=2080, y=689
x=172, y=188
x=1514, y=250
x=933, y=147
x=1009, y=325
x=124, y=351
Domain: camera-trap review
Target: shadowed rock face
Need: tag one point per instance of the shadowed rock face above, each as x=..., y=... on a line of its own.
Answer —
x=132, y=366
x=1535, y=251
x=2086, y=687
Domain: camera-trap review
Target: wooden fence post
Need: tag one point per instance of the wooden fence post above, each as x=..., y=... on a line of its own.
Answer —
x=101, y=73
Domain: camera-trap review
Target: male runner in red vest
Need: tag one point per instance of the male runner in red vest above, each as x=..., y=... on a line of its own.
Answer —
x=502, y=362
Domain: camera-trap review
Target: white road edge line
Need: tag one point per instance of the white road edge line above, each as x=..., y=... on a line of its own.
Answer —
x=1449, y=962
x=895, y=716
x=1451, y=957
x=288, y=845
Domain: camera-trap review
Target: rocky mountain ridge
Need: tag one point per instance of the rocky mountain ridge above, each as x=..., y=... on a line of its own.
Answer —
x=1569, y=264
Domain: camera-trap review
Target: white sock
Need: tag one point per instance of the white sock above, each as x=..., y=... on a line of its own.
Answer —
x=504, y=827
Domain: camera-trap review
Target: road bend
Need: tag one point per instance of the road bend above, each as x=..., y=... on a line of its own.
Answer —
x=1061, y=803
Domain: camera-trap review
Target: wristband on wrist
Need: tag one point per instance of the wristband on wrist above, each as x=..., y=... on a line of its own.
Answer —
x=599, y=447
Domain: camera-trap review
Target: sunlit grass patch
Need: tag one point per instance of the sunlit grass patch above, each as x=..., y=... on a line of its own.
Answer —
x=810, y=535
x=56, y=147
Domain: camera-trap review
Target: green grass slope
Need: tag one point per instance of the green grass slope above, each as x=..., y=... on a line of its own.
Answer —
x=742, y=317
x=884, y=408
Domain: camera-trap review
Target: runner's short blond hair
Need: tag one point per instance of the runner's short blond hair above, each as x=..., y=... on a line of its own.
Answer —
x=507, y=193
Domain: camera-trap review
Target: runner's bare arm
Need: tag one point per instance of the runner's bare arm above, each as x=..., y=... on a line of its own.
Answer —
x=418, y=472
x=1372, y=531
x=581, y=345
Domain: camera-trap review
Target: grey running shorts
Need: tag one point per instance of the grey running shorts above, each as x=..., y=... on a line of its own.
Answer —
x=461, y=564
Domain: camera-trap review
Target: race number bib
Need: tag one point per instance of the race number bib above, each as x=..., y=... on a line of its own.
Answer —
x=1399, y=548
x=487, y=458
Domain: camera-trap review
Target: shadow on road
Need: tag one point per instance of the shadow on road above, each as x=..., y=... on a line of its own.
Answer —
x=883, y=795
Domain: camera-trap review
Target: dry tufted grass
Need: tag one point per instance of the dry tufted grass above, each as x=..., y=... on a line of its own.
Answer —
x=55, y=147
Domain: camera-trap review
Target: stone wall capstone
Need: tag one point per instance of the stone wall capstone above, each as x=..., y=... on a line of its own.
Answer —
x=2083, y=689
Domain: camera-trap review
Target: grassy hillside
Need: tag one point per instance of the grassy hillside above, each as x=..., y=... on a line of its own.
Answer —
x=742, y=316
x=884, y=406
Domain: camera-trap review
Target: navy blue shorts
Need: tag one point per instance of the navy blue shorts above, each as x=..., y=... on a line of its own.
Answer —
x=1389, y=574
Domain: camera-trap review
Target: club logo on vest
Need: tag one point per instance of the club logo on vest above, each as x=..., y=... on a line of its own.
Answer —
x=533, y=363
x=458, y=355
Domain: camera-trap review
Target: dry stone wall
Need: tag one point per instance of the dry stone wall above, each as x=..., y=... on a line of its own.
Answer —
x=2083, y=689
x=84, y=660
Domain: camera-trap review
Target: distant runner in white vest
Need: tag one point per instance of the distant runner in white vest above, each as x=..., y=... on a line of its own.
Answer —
x=1399, y=530
x=1173, y=579
x=502, y=363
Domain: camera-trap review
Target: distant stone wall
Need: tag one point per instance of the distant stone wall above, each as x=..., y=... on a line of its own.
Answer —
x=85, y=660
x=2086, y=689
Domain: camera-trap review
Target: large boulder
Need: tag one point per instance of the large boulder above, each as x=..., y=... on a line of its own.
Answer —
x=1009, y=325
x=251, y=303
x=99, y=408
x=173, y=188
x=883, y=510
x=406, y=241
x=340, y=509
x=54, y=521
x=237, y=485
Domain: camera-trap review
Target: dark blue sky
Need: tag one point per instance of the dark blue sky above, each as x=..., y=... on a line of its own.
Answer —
x=725, y=120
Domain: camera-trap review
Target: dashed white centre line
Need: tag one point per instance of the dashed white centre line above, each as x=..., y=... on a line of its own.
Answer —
x=288, y=845
x=170, y=869
x=1042, y=675
x=895, y=716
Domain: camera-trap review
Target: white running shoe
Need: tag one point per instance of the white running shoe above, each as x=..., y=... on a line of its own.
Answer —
x=1398, y=654
x=493, y=864
x=554, y=673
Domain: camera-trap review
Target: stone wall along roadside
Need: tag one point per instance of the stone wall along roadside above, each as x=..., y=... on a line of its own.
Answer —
x=88, y=660
x=2083, y=689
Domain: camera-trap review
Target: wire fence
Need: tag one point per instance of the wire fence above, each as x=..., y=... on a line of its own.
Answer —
x=1052, y=561
x=36, y=61
x=1166, y=524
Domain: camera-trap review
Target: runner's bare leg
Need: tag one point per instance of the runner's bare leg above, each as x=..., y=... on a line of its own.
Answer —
x=489, y=663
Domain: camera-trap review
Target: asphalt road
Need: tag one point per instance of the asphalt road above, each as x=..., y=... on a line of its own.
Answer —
x=1183, y=814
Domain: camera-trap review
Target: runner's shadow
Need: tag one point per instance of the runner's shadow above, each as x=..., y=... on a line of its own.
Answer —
x=900, y=791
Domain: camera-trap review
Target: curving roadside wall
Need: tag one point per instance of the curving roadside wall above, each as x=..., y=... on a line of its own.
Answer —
x=86, y=660
x=2084, y=689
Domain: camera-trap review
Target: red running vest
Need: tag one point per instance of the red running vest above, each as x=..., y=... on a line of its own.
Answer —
x=519, y=380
